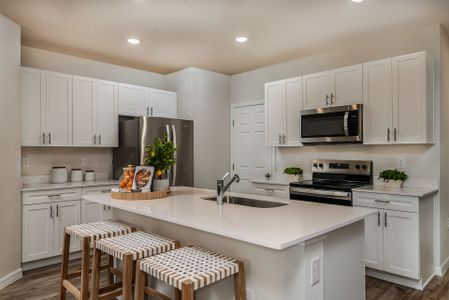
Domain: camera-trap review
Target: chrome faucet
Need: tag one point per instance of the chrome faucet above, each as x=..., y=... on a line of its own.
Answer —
x=222, y=188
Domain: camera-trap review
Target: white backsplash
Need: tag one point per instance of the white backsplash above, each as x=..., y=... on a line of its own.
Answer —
x=38, y=161
x=420, y=160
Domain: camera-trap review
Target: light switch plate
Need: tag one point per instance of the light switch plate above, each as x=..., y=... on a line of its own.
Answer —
x=315, y=271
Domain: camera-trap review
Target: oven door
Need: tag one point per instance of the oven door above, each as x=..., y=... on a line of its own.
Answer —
x=339, y=124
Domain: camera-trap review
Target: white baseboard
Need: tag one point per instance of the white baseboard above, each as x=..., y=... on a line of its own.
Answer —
x=441, y=270
x=10, y=278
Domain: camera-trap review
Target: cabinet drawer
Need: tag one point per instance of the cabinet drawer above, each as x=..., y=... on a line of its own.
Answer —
x=50, y=196
x=97, y=189
x=386, y=201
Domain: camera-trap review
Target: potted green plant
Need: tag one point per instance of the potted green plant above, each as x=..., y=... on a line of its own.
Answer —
x=161, y=156
x=294, y=173
x=393, y=178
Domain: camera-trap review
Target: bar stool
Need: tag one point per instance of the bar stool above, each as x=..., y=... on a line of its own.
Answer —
x=87, y=233
x=128, y=248
x=188, y=269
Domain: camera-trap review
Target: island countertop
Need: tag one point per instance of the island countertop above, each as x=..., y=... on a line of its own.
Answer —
x=276, y=228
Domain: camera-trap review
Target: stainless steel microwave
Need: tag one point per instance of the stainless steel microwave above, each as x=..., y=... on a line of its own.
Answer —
x=337, y=124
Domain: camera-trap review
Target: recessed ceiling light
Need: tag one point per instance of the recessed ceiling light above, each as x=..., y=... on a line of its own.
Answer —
x=133, y=41
x=357, y=1
x=241, y=39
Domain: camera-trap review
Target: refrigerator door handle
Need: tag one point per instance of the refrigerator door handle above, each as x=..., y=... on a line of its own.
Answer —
x=173, y=128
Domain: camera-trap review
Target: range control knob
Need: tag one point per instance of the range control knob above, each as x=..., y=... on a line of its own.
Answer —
x=321, y=165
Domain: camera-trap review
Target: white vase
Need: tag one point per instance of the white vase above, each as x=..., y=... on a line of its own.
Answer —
x=393, y=184
x=160, y=185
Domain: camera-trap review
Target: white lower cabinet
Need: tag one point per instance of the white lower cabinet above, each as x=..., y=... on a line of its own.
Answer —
x=398, y=238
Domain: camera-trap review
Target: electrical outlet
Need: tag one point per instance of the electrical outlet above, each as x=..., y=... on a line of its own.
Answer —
x=315, y=271
x=250, y=294
x=401, y=163
x=84, y=161
x=25, y=162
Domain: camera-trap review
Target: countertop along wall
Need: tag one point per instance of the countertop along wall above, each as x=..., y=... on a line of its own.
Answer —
x=10, y=135
x=422, y=162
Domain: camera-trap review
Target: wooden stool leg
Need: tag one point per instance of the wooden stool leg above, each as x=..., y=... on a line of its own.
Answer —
x=64, y=265
x=85, y=263
x=187, y=291
x=95, y=286
x=141, y=280
x=239, y=282
x=127, y=277
x=111, y=265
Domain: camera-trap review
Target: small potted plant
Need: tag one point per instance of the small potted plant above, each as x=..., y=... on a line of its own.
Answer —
x=294, y=173
x=393, y=178
x=160, y=155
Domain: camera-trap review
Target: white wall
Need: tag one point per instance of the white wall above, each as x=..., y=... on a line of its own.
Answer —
x=10, y=135
x=203, y=96
x=422, y=162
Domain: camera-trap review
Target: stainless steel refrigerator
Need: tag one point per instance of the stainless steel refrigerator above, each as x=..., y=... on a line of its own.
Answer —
x=137, y=132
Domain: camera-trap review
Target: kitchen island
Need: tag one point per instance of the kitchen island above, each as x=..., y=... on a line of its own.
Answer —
x=277, y=245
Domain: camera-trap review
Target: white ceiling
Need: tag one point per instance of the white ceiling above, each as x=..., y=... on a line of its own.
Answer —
x=180, y=33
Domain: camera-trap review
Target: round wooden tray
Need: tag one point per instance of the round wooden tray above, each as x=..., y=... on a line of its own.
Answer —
x=140, y=196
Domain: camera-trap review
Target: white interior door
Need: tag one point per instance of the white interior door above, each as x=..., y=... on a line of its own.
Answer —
x=83, y=119
x=251, y=158
x=106, y=112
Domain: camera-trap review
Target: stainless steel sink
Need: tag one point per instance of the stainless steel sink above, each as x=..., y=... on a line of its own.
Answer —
x=246, y=202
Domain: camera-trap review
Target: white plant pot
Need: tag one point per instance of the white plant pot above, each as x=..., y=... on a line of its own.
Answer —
x=160, y=185
x=393, y=184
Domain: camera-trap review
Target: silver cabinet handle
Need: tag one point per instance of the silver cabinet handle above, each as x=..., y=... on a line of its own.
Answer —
x=381, y=201
x=95, y=139
x=57, y=210
x=43, y=138
x=327, y=99
x=49, y=138
x=388, y=134
x=394, y=134
x=284, y=138
x=99, y=139
x=385, y=216
x=378, y=219
x=51, y=212
x=332, y=98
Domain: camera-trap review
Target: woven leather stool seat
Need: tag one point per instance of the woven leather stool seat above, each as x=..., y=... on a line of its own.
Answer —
x=199, y=266
x=140, y=244
x=98, y=230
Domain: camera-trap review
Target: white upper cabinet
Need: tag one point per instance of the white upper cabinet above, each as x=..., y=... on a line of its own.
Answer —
x=283, y=102
x=346, y=85
x=162, y=103
x=377, y=102
x=84, y=91
x=33, y=107
x=133, y=100
x=316, y=89
x=398, y=100
x=413, y=98
x=58, y=109
x=106, y=114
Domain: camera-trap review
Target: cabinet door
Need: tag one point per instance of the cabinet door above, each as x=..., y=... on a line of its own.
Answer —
x=91, y=211
x=37, y=232
x=59, y=109
x=133, y=100
x=401, y=243
x=67, y=213
x=377, y=102
x=33, y=103
x=374, y=244
x=293, y=102
x=316, y=91
x=106, y=114
x=412, y=102
x=274, y=112
x=346, y=85
x=162, y=103
x=84, y=93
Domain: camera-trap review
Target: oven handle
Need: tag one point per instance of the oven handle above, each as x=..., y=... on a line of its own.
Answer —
x=324, y=193
x=345, y=123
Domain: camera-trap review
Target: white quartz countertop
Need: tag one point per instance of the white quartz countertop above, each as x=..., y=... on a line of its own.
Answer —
x=276, y=228
x=403, y=191
x=67, y=185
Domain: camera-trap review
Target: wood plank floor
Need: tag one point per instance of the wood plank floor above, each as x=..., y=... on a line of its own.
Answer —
x=42, y=284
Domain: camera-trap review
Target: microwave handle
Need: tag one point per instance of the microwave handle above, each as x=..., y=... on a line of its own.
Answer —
x=345, y=123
